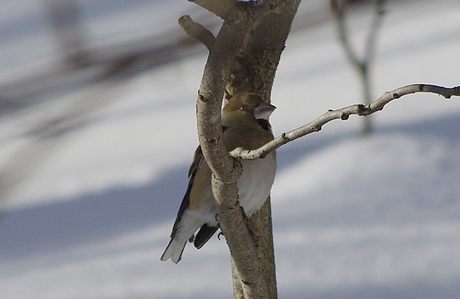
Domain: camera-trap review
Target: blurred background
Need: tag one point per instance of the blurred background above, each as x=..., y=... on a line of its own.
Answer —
x=97, y=130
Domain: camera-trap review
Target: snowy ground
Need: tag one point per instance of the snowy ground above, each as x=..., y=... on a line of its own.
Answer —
x=87, y=212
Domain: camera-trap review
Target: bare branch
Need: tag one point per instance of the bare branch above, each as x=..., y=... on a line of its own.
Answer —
x=339, y=7
x=197, y=31
x=370, y=44
x=343, y=114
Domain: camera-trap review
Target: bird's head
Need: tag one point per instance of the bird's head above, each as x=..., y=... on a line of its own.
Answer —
x=246, y=108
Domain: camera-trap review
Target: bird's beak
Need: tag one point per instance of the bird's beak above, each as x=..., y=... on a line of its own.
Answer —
x=263, y=111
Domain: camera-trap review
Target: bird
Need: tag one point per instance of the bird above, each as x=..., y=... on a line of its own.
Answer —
x=244, y=124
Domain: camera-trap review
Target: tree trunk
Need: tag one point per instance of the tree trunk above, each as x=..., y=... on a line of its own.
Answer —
x=261, y=54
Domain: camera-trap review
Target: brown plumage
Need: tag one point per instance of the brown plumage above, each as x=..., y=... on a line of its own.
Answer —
x=245, y=124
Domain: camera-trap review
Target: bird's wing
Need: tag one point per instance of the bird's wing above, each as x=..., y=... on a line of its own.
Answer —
x=196, y=165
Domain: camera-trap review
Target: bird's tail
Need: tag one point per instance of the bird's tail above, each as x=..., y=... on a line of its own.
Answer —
x=183, y=231
x=174, y=250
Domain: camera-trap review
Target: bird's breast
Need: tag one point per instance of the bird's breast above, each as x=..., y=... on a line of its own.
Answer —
x=255, y=182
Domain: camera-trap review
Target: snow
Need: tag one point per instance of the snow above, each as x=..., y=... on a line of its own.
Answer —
x=87, y=214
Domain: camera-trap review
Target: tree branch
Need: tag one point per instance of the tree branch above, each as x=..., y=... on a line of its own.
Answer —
x=197, y=31
x=338, y=8
x=225, y=171
x=375, y=26
x=343, y=114
x=254, y=72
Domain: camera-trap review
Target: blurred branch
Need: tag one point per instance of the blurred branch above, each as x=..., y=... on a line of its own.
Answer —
x=379, y=11
x=47, y=135
x=101, y=63
x=339, y=9
x=343, y=114
x=362, y=65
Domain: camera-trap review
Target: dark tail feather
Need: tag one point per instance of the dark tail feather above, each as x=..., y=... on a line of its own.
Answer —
x=204, y=235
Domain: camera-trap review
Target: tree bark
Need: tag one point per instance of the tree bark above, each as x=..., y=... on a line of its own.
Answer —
x=261, y=55
x=256, y=33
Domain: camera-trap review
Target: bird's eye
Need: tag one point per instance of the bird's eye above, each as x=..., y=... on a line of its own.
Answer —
x=244, y=107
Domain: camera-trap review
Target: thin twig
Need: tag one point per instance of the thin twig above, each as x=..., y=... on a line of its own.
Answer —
x=343, y=114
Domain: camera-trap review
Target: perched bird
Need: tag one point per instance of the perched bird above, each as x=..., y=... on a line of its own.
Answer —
x=245, y=124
